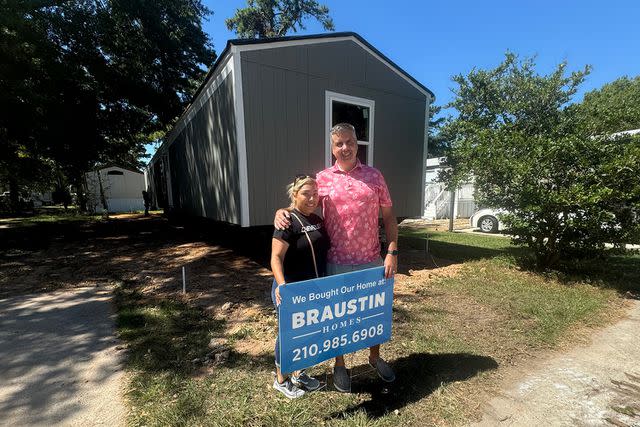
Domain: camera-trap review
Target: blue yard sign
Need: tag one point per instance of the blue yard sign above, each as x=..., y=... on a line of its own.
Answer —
x=323, y=318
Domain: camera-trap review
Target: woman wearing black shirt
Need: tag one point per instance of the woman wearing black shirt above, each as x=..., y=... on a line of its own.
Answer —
x=305, y=244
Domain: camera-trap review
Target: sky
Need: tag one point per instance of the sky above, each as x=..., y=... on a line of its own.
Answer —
x=434, y=40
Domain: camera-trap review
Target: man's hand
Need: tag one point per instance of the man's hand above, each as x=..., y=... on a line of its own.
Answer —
x=391, y=231
x=278, y=299
x=390, y=266
x=282, y=220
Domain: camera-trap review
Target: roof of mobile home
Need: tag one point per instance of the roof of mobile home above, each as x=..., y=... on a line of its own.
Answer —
x=241, y=45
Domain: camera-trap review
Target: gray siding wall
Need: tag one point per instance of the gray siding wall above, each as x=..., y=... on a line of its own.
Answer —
x=284, y=102
x=204, y=161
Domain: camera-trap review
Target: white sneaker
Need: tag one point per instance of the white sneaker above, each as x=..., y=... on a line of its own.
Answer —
x=288, y=389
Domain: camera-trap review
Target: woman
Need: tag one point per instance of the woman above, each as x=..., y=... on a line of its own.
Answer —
x=305, y=244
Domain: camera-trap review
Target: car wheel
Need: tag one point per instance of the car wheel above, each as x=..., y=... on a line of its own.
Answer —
x=488, y=224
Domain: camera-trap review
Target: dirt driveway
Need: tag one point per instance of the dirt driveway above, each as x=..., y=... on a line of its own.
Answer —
x=60, y=365
x=587, y=386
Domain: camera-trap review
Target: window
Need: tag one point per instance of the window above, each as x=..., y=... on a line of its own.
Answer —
x=115, y=172
x=359, y=112
x=357, y=115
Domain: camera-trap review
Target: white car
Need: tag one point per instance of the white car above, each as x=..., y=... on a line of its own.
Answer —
x=487, y=220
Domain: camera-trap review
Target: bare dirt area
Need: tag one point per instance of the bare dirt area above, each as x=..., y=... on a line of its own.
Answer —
x=60, y=360
x=148, y=251
x=436, y=224
x=222, y=271
x=229, y=279
x=592, y=385
x=226, y=274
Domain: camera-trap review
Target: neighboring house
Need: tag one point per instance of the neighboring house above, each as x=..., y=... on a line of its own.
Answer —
x=263, y=115
x=438, y=200
x=121, y=188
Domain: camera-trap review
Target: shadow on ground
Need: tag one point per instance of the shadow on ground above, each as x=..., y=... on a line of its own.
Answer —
x=619, y=272
x=145, y=252
x=57, y=351
x=417, y=376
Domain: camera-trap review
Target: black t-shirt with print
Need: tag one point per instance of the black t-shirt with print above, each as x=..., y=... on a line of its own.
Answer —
x=298, y=261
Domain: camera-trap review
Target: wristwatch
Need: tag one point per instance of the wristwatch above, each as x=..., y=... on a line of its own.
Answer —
x=393, y=252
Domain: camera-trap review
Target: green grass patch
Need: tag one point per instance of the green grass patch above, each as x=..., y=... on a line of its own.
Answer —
x=538, y=309
x=616, y=271
x=461, y=247
x=450, y=334
x=540, y=306
x=163, y=339
x=620, y=272
x=49, y=216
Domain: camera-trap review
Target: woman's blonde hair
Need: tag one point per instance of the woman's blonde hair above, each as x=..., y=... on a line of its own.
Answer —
x=299, y=182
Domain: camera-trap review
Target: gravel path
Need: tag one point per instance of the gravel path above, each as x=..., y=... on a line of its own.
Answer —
x=597, y=385
x=58, y=360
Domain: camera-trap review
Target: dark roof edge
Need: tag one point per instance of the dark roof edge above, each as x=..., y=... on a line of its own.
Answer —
x=243, y=42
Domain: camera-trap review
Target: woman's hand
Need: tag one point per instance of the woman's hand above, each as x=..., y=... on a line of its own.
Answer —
x=278, y=299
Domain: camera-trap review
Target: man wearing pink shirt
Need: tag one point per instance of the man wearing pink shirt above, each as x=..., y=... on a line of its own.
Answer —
x=351, y=195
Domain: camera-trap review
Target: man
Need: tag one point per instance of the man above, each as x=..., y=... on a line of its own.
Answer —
x=351, y=195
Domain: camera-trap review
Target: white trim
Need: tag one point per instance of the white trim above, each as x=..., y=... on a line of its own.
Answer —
x=425, y=152
x=275, y=45
x=241, y=140
x=288, y=43
x=329, y=97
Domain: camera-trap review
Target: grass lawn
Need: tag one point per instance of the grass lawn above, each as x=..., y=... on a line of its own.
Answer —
x=458, y=329
x=48, y=215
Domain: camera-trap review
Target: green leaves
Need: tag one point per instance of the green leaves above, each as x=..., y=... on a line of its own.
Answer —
x=613, y=108
x=568, y=192
x=275, y=18
x=85, y=82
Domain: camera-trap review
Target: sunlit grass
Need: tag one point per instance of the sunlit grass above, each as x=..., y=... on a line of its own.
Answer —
x=450, y=336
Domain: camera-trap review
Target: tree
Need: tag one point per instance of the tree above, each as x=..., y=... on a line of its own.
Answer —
x=275, y=18
x=613, y=108
x=87, y=82
x=567, y=191
x=438, y=142
x=24, y=52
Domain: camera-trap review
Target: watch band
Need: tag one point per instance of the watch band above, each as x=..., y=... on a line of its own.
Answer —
x=393, y=252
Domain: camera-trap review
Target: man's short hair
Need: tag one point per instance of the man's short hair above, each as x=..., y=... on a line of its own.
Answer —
x=342, y=127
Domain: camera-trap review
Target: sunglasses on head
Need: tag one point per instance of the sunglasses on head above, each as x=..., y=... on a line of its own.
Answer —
x=300, y=177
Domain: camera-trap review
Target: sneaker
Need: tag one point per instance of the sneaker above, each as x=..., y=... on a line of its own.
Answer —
x=288, y=389
x=341, y=380
x=384, y=370
x=304, y=381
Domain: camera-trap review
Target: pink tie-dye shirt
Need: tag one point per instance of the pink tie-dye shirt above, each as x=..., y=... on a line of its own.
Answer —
x=350, y=205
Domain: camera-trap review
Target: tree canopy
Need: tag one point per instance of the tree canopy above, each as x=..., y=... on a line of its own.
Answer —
x=568, y=191
x=87, y=82
x=275, y=18
x=615, y=107
x=438, y=143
